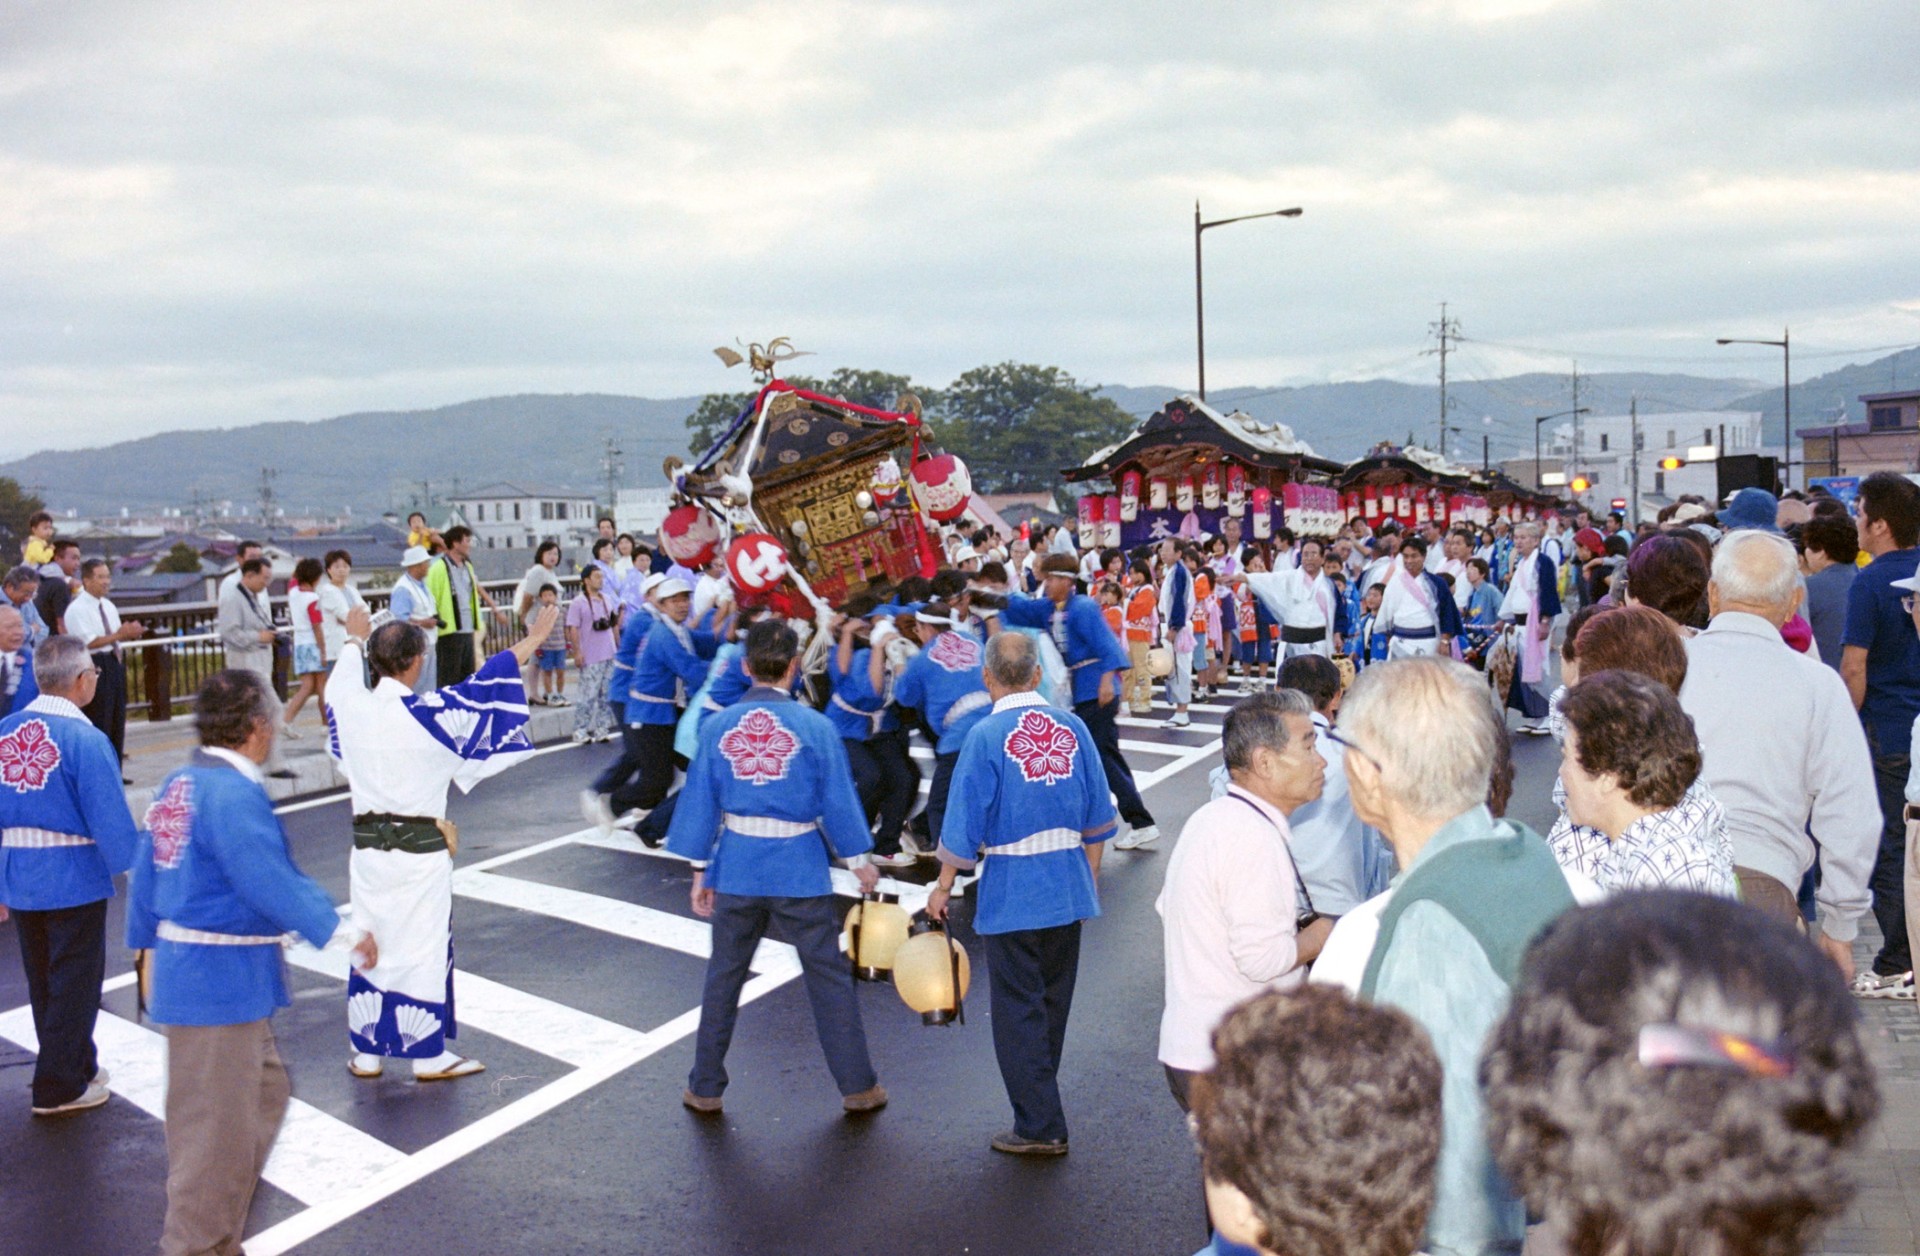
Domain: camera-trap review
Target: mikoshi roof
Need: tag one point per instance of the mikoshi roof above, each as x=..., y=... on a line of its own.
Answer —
x=1186, y=422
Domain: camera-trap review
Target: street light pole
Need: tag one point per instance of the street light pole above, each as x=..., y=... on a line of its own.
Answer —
x=1785, y=345
x=1543, y=418
x=1199, y=296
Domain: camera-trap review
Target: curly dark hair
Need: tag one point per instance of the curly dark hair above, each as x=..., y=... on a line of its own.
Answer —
x=1667, y=572
x=230, y=705
x=308, y=571
x=1669, y=1160
x=1325, y=1113
x=1833, y=535
x=1632, y=726
x=1631, y=638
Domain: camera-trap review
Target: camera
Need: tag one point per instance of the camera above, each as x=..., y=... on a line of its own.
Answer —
x=603, y=623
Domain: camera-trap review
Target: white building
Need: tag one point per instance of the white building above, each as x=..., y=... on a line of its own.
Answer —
x=639, y=512
x=1696, y=438
x=511, y=516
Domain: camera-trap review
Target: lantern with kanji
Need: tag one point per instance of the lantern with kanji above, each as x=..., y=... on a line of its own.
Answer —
x=1110, y=523
x=942, y=486
x=757, y=562
x=886, y=480
x=1370, y=504
x=1210, y=486
x=1292, y=503
x=1089, y=516
x=1236, y=489
x=1129, y=496
x=1183, y=494
x=1157, y=489
x=1262, y=508
x=690, y=536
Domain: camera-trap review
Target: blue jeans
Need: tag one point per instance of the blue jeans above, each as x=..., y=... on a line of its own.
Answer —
x=1100, y=721
x=1031, y=974
x=1887, y=880
x=813, y=925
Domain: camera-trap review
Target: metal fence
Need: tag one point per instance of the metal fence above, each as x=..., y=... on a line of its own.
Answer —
x=180, y=650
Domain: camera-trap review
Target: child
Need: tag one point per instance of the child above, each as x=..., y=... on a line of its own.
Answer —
x=552, y=658
x=37, y=550
x=309, y=642
x=1142, y=623
x=1369, y=646
x=1258, y=629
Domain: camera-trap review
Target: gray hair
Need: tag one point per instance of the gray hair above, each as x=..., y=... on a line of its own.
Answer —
x=1529, y=527
x=1429, y=725
x=1259, y=723
x=58, y=662
x=1012, y=661
x=21, y=576
x=230, y=705
x=1756, y=568
x=394, y=646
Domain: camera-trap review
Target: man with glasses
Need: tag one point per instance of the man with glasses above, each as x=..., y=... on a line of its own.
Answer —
x=65, y=833
x=1880, y=661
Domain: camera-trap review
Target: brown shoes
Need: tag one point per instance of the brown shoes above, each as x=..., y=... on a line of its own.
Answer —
x=706, y=1105
x=871, y=1099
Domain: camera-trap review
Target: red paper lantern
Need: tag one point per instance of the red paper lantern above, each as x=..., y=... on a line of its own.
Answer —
x=1236, y=489
x=1110, y=523
x=1129, y=496
x=1262, y=507
x=886, y=480
x=943, y=486
x=690, y=536
x=1089, y=512
x=1210, y=487
x=1370, y=502
x=757, y=562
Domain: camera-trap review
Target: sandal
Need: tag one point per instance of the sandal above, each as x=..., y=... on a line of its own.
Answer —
x=462, y=1067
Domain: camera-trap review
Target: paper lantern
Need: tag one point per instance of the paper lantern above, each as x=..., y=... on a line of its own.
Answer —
x=1088, y=513
x=690, y=536
x=1129, y=496
x=932, y=974
x=1110, y=522
x=1262, y=513
x=875, y=930
x=1236, y=489
x=1421, y=505
x=1292, y=502
x=1210, y=486
x=1160, y=662
x=943, y=486
x=757, y=562
x=886, y=480
x=1370, y=503
x=1183, y=494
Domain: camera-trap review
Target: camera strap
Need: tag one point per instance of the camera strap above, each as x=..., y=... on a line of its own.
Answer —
x=1298, y=881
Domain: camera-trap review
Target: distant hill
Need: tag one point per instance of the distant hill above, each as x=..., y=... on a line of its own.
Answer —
x=374, y=462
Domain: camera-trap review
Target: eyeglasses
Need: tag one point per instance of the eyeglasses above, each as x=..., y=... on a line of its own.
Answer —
x=1906, y=603
x=1334, y=737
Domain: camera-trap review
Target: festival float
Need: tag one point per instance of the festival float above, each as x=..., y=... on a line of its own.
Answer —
x=812, y=498
x=1188, y=468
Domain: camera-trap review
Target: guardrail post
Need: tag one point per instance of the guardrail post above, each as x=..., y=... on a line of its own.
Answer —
x=158, y=666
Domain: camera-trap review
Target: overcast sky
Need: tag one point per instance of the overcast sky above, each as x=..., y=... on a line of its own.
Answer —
x=219, y=213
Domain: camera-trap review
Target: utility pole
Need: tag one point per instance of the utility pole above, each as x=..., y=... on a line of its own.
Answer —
x=1448, y=330
x=1486, y=455
x=610, y=464
x=267, y=476
x=1577, y=450
x=1633, y=503
x=424, y=502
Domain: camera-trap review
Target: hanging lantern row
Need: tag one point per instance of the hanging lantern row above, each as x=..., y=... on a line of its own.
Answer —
x=1311, y=509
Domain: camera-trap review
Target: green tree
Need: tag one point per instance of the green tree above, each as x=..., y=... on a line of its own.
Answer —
x=182, y=559
x=878, y=389
x=16, y=507
x=1018, y=424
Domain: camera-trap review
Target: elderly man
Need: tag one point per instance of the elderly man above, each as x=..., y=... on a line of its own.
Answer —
x=22, y=586
x=245, y=627
x=96, y=620
x=17, y=687
x=1342, y=861
x=213, y=893
x=411, y=603
x=242, y=552
x=1038, y=813
x=1237, y=917
x=400, y=751
x=1312, y=615
x=1095, y=659
x=1799, y=776
x=1530, y=606
x=1444, y=944
x=65, y=833
x=457, y=598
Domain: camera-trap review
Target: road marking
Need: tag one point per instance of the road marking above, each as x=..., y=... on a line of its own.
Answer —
x=342, y=795
x=317, y=1156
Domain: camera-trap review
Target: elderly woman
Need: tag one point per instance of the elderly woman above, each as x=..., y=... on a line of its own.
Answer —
x=1669, y=573
x=1637, y=815
x=1678, y=1074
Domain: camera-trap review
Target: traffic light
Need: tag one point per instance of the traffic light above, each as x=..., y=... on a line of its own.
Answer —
x=1580, y=484
x=1670, y=463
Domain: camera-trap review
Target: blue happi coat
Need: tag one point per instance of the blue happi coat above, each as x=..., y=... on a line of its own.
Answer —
x=17, y=684
x=1080, y=631
x=633, y=637
x=943, y=683
x=857, y=711
x=726, y=682
x=67, y=829
x=769, y=800
x=672, y=664
x=214, y=858
x=1028, y=794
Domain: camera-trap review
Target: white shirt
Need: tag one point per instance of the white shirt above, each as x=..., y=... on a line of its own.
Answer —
x=91, y=618
x=1457, y=568
x=1402, y=606
x=705, y=594
x=1228, y=907
x=335, y=602
x=1296, y=599
x=1526, y=578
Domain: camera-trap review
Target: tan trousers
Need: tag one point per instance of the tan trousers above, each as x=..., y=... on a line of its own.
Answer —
x=1913, y=880
x=1139, y=686
x=226, y=1095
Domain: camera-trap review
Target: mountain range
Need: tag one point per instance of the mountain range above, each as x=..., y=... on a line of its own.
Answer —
x=385, y=460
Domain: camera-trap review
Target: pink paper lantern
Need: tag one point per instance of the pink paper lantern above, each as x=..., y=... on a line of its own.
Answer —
x=690, y=536
x=942, y=485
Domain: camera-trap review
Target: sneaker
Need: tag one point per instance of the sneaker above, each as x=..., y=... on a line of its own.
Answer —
x=1146, y=835
x=290, y=732
x=1014, y=1145
x=910, y=845
x=1873, y=985
x=92, y=1097
x=871, y=1099
x=705, y=1105
x=900, y=859
x=1180, y=720
x=598, y=811
x=582, y=738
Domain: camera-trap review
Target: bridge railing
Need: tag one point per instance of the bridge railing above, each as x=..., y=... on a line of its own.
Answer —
x=165, y=667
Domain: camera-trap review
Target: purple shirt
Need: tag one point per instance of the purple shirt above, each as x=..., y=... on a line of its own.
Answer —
x=595, y=647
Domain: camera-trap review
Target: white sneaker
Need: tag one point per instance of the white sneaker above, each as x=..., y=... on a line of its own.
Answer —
x=598, y=811
x=290, y=732
x=1180, y=720
x=582, y=737
x=92, y=1097
x=910, y=845
x=1137, y=838
x=901, y=860
x=1872, y=985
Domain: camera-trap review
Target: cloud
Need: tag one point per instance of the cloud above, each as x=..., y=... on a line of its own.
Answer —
x=213, y=213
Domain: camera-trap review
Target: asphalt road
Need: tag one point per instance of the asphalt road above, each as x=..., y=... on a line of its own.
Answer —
x=585, y=973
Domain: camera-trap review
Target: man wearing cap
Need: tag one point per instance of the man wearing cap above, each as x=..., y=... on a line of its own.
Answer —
x=671, y=666
x=943, y=682
x=1038, y=814
x=769, y=802
x=411, y=603
x=1094, y=659
x=596, y=801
